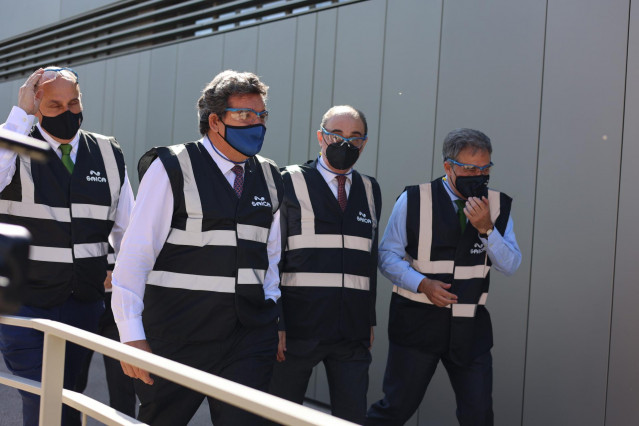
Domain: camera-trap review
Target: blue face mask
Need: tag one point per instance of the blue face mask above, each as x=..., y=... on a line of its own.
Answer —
x=246, y=140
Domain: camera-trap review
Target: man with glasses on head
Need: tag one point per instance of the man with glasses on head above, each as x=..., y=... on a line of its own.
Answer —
x=197, y=279
x=440, y=243
x=74, y=205
x=329, y=272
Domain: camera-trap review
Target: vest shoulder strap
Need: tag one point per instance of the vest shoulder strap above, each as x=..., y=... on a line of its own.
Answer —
x=273, y=180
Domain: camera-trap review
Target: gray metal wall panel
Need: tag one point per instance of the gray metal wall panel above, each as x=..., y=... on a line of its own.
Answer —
x=481, y=87
x=108, y=100
x=303, y=124
x=240, y=49
x=142, y=114
x=198, y=62
x=405, y=141
x=322, y=100
x=276, y=67
x=161, y=98
x=92, y=78
x=575, y=221
x=26, y=16
x=360, y=34
x=125, y=99
x=623, y=393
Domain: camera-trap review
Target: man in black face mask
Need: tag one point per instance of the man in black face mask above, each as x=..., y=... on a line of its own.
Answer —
x=329, y=269
x=440, y=243
x=74, y=206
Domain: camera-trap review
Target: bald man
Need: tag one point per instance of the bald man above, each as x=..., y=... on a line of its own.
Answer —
x=74, y=205
x=329, y=273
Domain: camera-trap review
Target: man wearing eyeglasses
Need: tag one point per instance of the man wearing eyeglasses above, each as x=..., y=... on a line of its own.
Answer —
x=329, y=268
x=74, y=205
x=197, y=278
x=441, y=241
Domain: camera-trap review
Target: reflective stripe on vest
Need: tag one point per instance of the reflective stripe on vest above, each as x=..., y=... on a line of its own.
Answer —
x=309, y=239
x=194, y=236
x=66, y=255
x=205, y=282
x=267, y=171
x=112, y=172
x=424, y=265
x=313, y=279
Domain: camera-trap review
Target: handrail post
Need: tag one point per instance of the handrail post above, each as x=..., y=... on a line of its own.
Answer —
x=52, y=380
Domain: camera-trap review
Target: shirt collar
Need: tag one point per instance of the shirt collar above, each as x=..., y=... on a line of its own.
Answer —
x=451, y=194
x=222, y=163
x=55, y=144
x=328, y=176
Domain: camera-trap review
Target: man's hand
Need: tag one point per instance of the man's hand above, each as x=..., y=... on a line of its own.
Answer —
x=135, y=372
x=436, y=292
x=281, y=346
x=107, y=281
x=372, y=338
x=30, y=93
x=477, y=211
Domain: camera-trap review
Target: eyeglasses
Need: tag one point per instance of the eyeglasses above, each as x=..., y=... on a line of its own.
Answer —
x=49, y=73
x=471, y=168
x=247, y=114
x=332, y=138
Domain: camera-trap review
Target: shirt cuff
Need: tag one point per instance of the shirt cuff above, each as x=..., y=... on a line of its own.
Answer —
x=131, y=330
x=494, y=238
x=19, y=121
x=411, y=281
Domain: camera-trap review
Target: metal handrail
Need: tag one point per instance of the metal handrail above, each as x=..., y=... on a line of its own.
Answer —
x=53, y=395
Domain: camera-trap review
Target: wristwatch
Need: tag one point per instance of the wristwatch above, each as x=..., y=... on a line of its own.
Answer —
x=487, y=234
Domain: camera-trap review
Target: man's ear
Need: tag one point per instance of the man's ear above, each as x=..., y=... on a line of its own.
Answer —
x=214, y=122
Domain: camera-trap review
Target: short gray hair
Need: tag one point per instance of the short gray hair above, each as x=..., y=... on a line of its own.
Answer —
x=216, y=94
x=459, y=139
x=345, y=109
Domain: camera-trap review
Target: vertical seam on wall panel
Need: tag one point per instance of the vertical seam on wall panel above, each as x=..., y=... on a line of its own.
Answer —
x=532, y=243
x=381, y=91
x=334, y=56
x=310, y=109
x=290, y=119
x=257, y=49
x=614, y=265
x=439, y=64
x=175, y=82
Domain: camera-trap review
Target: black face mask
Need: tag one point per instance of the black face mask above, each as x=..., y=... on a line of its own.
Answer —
x=472, y=186
x=62, y=126
x=341, y=156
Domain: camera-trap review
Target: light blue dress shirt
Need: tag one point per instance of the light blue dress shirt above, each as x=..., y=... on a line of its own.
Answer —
x=503, y=251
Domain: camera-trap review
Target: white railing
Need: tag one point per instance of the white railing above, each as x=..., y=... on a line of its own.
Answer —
x=53, y=395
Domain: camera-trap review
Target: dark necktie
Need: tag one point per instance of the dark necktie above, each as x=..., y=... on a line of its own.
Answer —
x=66, y=156
x=341, y=191
x=239, y=179
x=460, y=213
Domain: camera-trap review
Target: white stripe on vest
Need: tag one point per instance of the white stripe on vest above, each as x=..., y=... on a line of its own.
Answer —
x=424, y=265
x=309, y=239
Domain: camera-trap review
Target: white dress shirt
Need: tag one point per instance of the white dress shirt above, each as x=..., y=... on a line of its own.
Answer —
x=503, y=251
x=331, y=178
x=19, y=122
x=150, y=226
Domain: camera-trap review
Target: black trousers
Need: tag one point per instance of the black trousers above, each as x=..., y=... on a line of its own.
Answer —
x=346, y=364
x=408, y=373
x=120, y=386
x=246, y=357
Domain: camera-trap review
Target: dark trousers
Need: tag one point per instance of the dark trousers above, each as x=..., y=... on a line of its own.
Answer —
x=346, y=364
x=22, y=351
x=408, y=373
x=246, y=357
x=121, y=390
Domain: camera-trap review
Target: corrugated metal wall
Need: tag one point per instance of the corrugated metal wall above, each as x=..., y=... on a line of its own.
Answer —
x=554, y=84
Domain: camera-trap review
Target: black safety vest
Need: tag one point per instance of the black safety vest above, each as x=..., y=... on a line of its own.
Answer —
x=210, y=272
x=69, y=217
x=329, y=274
x=437, y=249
